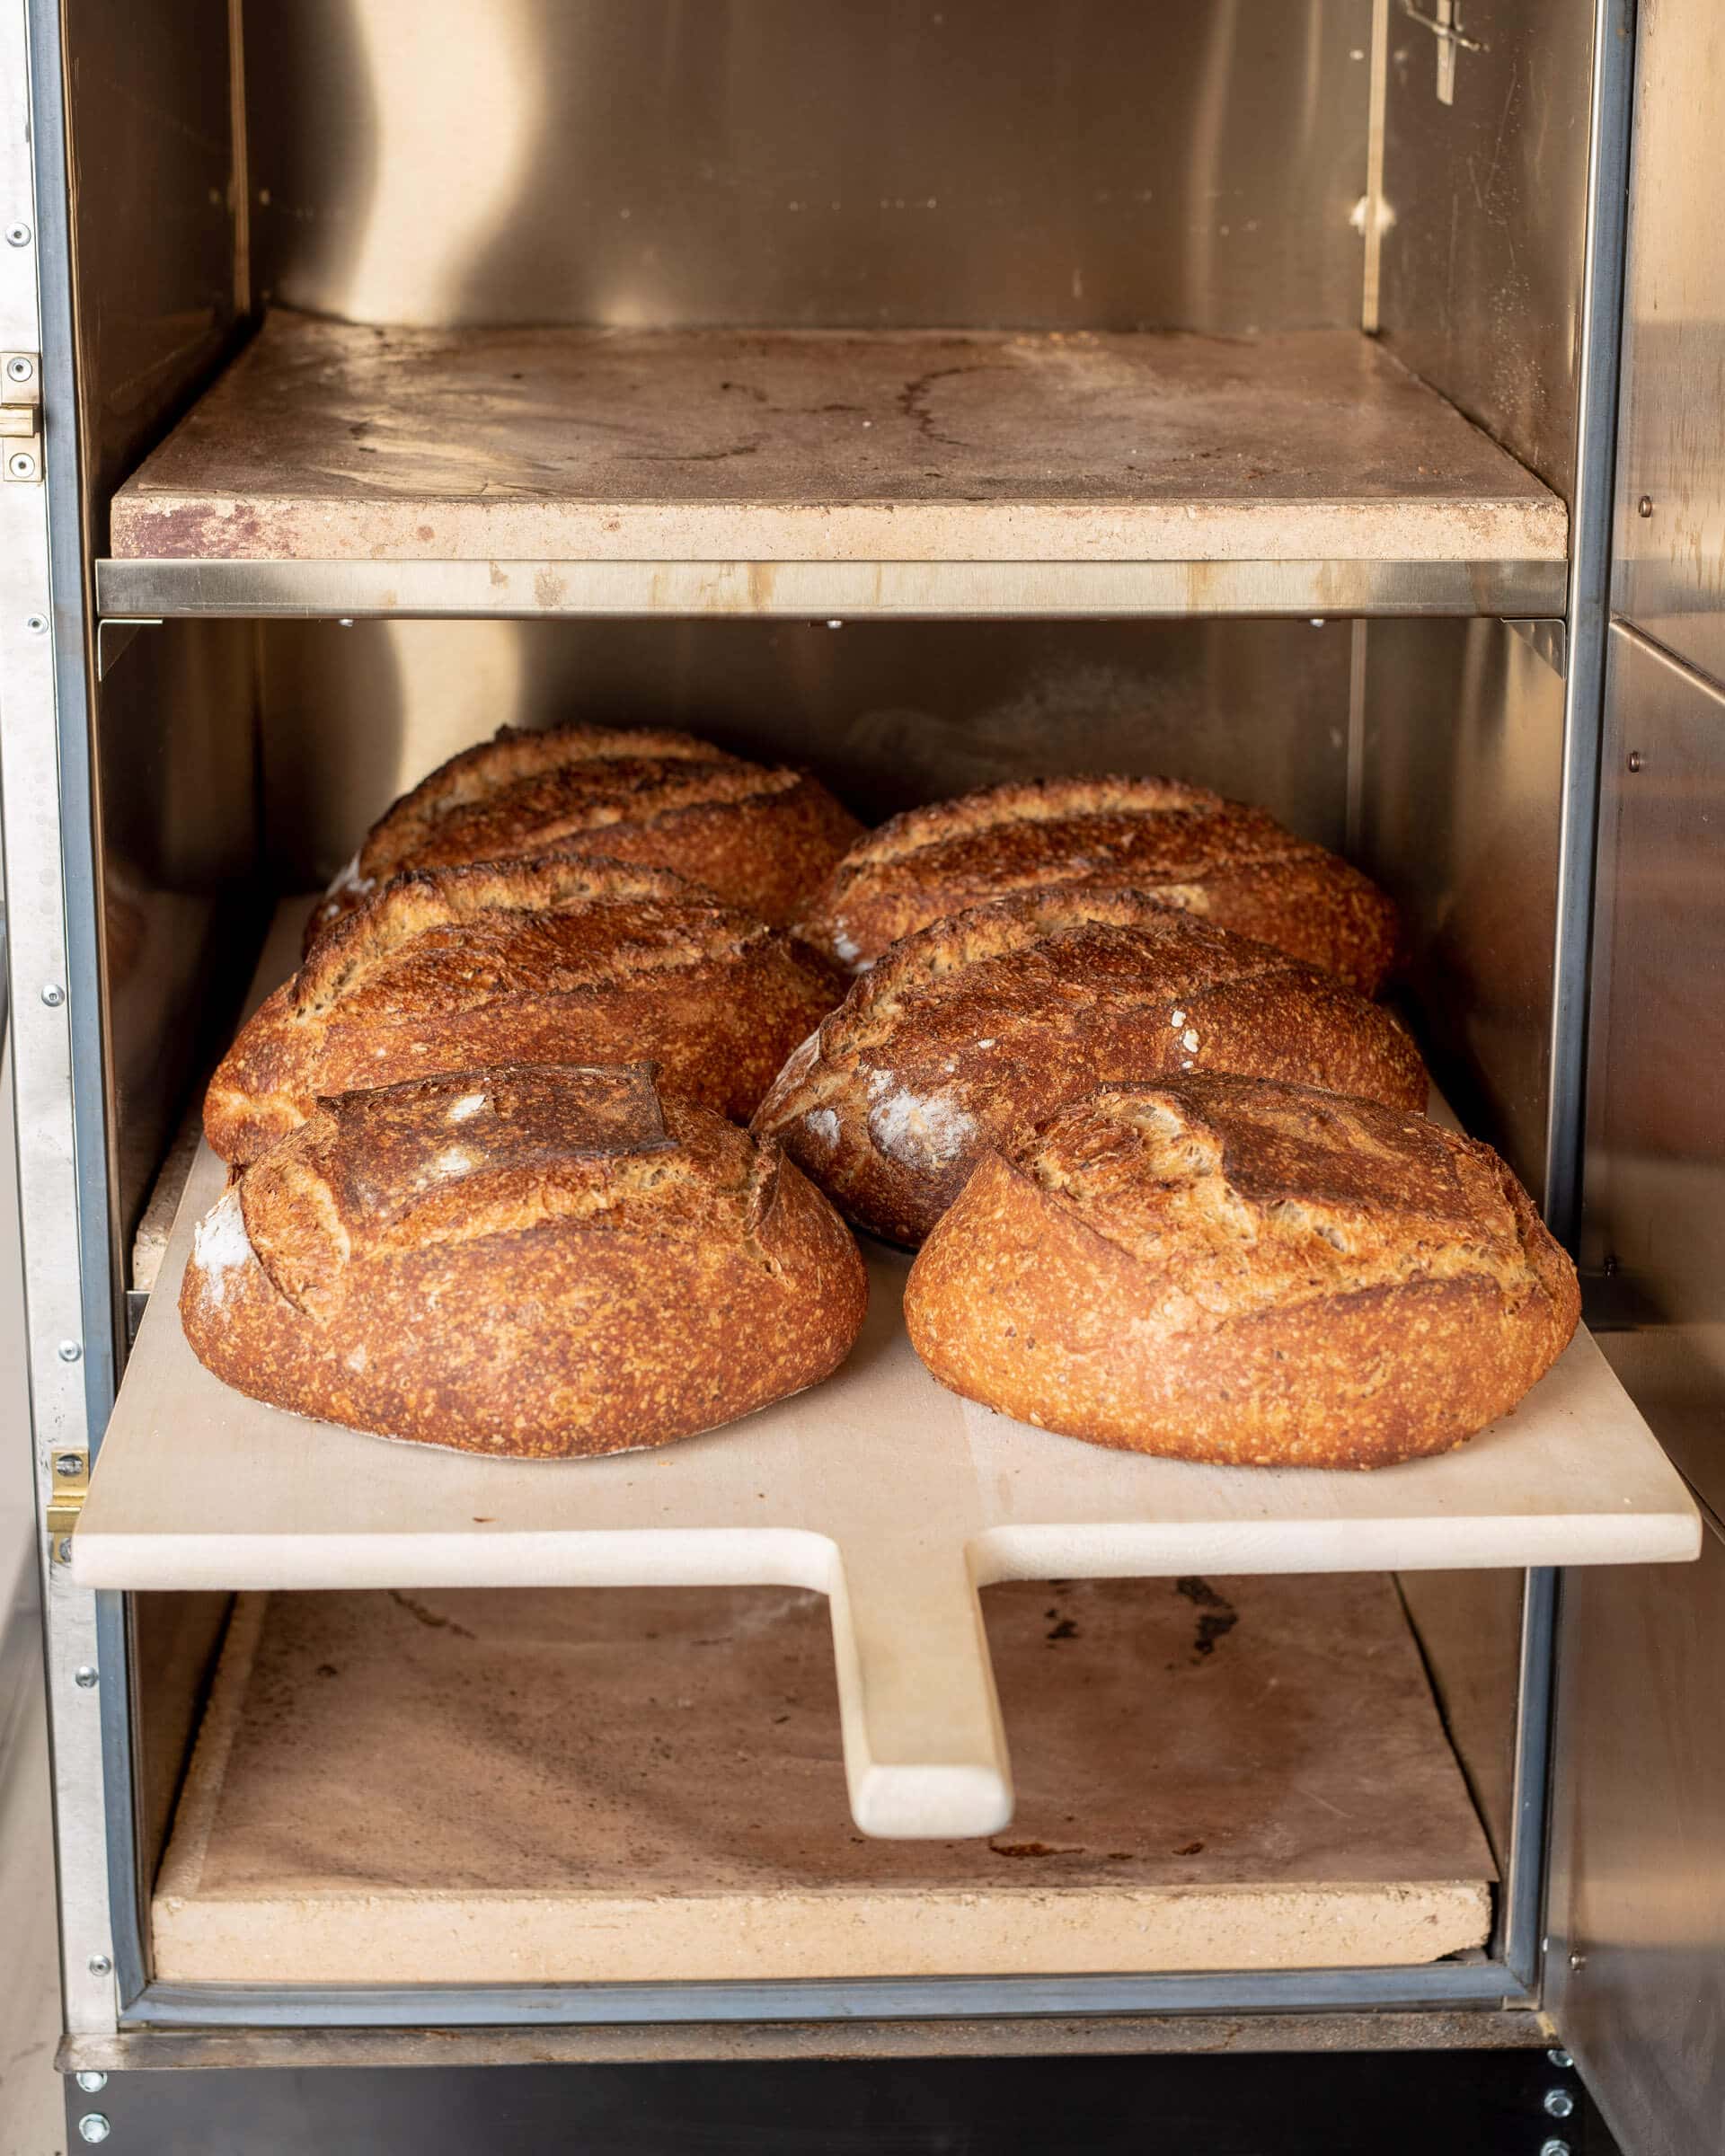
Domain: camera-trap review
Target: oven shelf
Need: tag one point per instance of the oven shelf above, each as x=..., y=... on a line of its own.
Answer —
x=891, y=1495
x=1216, y=1773
x=338, y=470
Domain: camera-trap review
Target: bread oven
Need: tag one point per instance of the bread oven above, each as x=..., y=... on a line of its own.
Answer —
x=1278, y=399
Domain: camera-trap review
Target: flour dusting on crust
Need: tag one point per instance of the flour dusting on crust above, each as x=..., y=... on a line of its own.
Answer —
x=220, y=1246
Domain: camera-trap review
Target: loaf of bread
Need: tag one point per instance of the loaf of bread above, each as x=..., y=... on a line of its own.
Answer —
x=968, y=1032
x=560, y=960
x=535, y=1262
x=762, y=837
x=1182, y=844
x=1228, y=1269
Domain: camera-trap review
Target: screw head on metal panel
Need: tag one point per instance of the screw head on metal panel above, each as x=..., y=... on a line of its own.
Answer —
x=84, y=1676
x=98, y=1964
x=1558, y=2102
x=1635, y=759
x=1644, y=507
x=1553, y=2147
x=53, y=995
x=17, y=236
x=1577, y=1962
x=19, y=368
x=94, y=2126
x=1561, y=2058
x=69, y=1351
x=91, y=2083
x=69, y=1464
x=62, y=1550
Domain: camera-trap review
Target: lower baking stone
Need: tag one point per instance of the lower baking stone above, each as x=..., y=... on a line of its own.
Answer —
x=544, y=1786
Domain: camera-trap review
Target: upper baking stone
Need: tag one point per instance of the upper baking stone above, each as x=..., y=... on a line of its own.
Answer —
x=612, y=451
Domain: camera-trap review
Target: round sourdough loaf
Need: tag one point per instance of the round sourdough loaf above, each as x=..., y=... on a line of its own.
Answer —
x=1224, y=1269
x=1181, y=845
x=761, y=836
x=535, y=1261
x=969, y=1032
x=561, y=959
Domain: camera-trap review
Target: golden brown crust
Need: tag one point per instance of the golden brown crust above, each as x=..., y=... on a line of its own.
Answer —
x=535, y=1262
x=1191, y=849
x=1228, y=1269
x=970, y=1031
x=558, y=959
x=761, y=836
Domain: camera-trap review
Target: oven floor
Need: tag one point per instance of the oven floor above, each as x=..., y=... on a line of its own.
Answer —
x=627, y=1784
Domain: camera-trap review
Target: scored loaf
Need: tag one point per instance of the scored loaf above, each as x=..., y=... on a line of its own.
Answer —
x=762, y=836
x=1228, y=1269
x=539, y=1262
x=973, y=1029
x=558, y=959
x=1181, y=845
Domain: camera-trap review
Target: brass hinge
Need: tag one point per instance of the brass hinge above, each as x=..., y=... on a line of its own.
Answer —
x=21, y=416
x=71, y=1472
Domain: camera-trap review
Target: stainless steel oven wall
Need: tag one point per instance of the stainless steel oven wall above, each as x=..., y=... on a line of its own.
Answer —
x=1636, y=1972
x=158, y=202
x=644, y=162
x=889, y=713
x=1670, y=525
x=1459, y=800
x=1485, y=205
x=183, y=903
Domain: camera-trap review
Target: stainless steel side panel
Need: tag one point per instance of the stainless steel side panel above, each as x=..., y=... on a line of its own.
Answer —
x=1459, y=815
x=1486, y=202
x=644, y=162
x=1654, y=1225
x=1670, y=537
x=889, y=713
x=1638, y=1875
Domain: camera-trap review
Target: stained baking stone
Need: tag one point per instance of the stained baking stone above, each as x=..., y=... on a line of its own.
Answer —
x=542, y=1786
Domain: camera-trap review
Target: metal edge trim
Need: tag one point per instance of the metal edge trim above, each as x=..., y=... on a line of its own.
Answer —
x=1521, y=1903
x=1588, y=597
x=344, y=2006
x=173, y=587
x=71, y=597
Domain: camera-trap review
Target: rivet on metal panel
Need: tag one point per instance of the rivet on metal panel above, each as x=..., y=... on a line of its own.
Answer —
x=1561, y=2058
x=90, y=2082
x=70, y=1351
x=1553, y=2147
x=69, y=1464
x=84, y=1676
x=1559, y=2103
x=1644, y=507
x=17, y=236
x=37, y=623
x=98, y=1964
x=94, y=2126
x=1577, y=1962
x=1635, y=760
x=63, y=1550
x=53, y=995
x=21, y=368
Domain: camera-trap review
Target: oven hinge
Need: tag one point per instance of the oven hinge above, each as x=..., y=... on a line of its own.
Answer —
x=71, y=1473
x=21, y=416
x=1444, y=23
